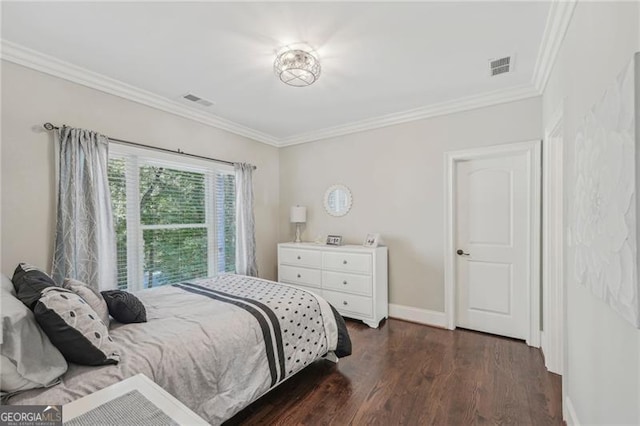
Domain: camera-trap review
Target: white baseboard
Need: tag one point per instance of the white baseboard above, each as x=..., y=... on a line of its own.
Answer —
x=544, y=348
x=543, y=342
x=422, y=316
x=570, y=413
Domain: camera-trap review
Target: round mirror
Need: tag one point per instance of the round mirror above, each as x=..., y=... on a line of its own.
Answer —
x=337, y=200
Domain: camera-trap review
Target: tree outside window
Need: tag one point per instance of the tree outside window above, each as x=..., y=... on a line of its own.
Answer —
x=182, y=228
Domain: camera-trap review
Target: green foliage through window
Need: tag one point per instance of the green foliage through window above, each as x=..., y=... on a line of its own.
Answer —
x=226, y=215
x=170, y=196
x=118, y=187
x=182, y=228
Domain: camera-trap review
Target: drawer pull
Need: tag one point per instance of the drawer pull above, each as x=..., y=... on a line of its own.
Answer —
x=299, y=258
x=299, y=276
x=344, y=262
x=344, y=282
x=345, y=303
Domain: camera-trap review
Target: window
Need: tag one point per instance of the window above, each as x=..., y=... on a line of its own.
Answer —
x=174, y=217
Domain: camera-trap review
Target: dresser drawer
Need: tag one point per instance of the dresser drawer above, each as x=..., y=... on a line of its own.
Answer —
x=348, y=262
x=343, y=302
x=304, y=276
x=310, y=258
x=349, y=283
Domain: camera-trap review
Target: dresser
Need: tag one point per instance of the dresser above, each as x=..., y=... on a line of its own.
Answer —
x=352, y=278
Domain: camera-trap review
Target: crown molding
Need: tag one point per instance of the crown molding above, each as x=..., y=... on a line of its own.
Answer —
x=24, y=56
x=558, y=20
x=444, y=108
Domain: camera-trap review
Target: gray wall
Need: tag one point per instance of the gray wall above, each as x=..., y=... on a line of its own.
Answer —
x=602, y=351
x=396, y=176
x=395, y=173
x=30, y=98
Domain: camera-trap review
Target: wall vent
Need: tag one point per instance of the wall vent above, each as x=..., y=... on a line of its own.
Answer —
x=501, y=65
x=197, y=99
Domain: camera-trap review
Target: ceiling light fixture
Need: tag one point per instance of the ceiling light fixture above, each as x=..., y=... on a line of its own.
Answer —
x=297, y=65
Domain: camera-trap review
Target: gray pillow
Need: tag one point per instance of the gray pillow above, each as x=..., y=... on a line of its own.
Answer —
x=29, y=359
x=92, y=297
x=12, y=381
x=7, y=285
x=74, y=328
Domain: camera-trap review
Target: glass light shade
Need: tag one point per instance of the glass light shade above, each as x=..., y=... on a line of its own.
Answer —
x=297, y=67
x=298, y=214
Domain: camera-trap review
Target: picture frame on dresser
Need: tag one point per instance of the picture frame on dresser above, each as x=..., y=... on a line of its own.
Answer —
x=352, y=278
x=372, y=240
x=334, y=240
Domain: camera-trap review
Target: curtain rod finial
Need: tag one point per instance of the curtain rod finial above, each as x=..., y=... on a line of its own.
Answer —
x=49, y=126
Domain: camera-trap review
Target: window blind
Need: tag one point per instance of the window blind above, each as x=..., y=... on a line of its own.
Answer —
x=117, y=186
x=174, y=220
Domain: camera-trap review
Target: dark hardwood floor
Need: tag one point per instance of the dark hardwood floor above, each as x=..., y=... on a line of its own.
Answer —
x=411, y=374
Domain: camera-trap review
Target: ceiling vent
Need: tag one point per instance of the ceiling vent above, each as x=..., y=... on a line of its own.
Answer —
x=501, y=65
x=197, y=99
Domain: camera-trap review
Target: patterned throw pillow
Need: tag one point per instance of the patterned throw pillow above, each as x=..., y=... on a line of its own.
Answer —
x=92, y=297
x=74, y=328
x=124, y=306
x=29, y=283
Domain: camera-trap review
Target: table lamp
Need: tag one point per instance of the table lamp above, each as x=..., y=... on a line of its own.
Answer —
x=298, y=215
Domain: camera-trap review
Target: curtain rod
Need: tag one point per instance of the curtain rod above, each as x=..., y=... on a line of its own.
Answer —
x=49, y=126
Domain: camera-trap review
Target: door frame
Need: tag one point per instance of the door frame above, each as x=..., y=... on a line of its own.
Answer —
x=533, y=151
x=552, y=341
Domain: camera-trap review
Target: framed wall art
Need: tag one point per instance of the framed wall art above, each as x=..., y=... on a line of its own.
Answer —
x=604, y=222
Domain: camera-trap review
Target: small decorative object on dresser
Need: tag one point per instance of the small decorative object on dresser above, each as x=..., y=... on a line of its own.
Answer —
x=334, y=240
x=352, y=278
x=372, y=240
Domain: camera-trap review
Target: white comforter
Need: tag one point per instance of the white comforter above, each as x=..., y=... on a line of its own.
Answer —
x=216, y=344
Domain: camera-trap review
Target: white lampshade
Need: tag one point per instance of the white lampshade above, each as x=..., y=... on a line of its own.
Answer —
x=298, y=214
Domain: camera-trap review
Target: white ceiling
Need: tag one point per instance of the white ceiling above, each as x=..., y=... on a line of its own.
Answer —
x=377, y=58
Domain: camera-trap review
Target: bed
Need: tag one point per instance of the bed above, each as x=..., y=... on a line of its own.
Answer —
x=216, y=344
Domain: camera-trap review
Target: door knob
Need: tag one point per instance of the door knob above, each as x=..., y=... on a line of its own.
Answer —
x=462, y=253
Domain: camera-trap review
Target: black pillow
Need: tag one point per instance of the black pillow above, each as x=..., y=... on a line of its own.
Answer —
x=29, y=283
x=125, y=307
x=75, y=328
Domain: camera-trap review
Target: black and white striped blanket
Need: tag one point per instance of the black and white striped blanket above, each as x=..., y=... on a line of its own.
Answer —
x=298, y=327
x=216, y=344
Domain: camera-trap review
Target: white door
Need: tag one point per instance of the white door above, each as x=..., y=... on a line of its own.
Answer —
x=492, y=242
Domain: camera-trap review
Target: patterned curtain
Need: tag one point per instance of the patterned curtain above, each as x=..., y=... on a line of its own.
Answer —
x=245, y=223
x=85, y=239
